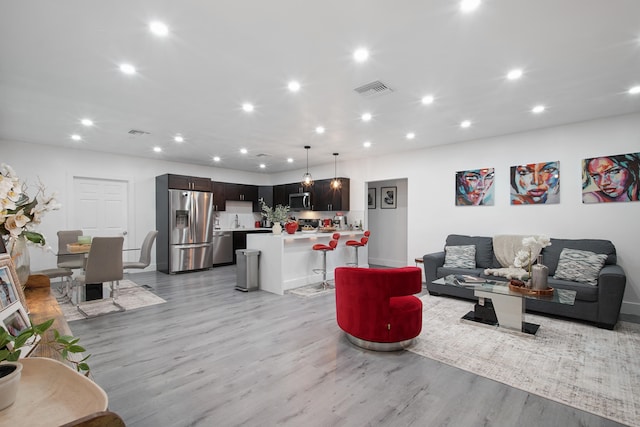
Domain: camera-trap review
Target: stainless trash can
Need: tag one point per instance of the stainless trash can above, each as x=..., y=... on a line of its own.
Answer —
x=247, y=272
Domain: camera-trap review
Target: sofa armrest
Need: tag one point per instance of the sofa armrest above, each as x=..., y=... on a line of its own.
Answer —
x=431, y=264
x=611, y=283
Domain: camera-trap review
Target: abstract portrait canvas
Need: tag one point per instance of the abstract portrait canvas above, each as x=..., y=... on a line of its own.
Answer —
x=613, y=178
x=475, y=187
x=535, y=183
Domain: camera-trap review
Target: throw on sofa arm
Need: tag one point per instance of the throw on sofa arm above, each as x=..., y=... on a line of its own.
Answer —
x=611, y=283
x=431, y=264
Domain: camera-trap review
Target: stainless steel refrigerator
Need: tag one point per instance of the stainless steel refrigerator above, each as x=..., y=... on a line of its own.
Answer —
x=189, y=230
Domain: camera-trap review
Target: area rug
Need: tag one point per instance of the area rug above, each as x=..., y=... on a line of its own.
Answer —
x=311, y=291
x=595, y=370
x=130, y=296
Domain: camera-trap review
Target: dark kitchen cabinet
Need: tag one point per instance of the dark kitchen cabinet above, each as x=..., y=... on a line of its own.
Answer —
x=183, y=182
x=241, y=192
x=219, y=196
x=280, y=196
x=265, y=194
x=327, y=198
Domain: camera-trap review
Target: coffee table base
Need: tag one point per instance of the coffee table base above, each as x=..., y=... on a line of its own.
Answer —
x=527, y=328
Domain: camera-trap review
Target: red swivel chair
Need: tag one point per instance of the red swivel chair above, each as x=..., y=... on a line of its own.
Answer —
x=325, y=248
x=358, y=244
x=376, y=307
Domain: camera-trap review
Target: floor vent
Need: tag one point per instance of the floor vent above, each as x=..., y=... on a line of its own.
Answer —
x=373, y=89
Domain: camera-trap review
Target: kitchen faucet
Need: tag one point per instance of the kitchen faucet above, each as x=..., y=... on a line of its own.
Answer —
x=236, y=223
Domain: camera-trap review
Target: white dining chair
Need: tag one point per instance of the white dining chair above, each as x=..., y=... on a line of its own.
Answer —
x=104, y=264
x=145, y=253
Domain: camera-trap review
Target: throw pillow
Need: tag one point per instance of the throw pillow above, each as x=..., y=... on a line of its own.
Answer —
x=460, y=256
x=580, y=266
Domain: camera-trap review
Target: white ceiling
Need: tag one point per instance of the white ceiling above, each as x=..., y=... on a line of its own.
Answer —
x=59, y=63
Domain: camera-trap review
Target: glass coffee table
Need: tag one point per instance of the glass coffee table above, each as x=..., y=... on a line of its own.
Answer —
x=505, y=308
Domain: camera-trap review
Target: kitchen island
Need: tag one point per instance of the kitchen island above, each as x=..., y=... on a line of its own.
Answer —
x=287, y=260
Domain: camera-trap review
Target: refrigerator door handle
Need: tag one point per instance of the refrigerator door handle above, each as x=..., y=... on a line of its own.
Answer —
x=183, y=247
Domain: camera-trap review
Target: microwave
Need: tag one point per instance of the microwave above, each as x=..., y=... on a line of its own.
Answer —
x=300, y=201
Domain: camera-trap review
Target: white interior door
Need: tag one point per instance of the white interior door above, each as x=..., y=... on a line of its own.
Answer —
x=101, y=207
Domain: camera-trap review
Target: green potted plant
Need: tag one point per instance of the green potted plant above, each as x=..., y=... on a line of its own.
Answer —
x=276, y=216
x=11, y=348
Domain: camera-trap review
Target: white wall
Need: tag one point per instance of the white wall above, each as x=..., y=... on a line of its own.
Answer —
x=388, y=242
x=430, y=173
x=432, y=213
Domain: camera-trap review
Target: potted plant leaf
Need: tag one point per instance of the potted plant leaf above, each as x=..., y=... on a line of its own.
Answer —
x=11, y=348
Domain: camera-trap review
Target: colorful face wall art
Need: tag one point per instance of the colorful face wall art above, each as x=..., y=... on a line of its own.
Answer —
x=611, y=178
x=535, y=183
x=475, y=187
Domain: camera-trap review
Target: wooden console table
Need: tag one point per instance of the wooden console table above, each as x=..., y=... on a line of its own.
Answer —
x=42, y=306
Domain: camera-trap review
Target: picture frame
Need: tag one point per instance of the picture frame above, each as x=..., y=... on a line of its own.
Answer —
x=371, y=198
x=10, y=289
x=14, y=319
x=388, y=197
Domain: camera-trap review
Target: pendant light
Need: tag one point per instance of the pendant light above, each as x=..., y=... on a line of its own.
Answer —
x=335, y=184
x=307, y=179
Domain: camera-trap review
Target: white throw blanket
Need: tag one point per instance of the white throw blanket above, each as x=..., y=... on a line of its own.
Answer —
x=505, y=248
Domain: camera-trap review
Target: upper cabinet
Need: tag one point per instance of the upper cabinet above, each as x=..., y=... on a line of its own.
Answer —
x=183, y=182
x=280, y=195
x=265, y=194
x=223, y=191
x=219, y=196
x=327, y=198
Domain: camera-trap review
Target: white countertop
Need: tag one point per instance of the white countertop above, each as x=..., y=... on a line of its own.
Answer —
x=300, y=235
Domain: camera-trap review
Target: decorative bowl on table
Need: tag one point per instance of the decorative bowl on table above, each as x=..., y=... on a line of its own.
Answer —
x=308, y=229
x=520, y=286
x=327, y=229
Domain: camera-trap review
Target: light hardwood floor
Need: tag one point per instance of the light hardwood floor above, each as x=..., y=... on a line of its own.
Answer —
x=214, y=356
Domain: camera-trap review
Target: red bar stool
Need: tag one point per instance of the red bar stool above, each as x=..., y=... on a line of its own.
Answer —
x=325, y=248
x=357, y=244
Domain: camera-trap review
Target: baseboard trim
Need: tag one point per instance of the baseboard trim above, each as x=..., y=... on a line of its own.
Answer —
x=630, y=308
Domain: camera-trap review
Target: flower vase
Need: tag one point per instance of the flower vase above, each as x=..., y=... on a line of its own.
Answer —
x=277, y=228
x=539, y=275
x=20, y=256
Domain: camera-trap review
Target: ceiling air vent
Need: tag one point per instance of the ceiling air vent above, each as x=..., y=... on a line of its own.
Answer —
x=138, y=132
x=263, y=155
x=373, y=89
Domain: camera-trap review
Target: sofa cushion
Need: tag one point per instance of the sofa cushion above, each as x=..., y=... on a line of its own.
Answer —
x=551, y=254
x=484, y=248
x=460, y=256
x=584, y=292
x=580, y=266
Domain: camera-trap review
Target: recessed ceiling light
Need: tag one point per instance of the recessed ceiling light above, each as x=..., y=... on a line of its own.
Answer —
x=157, y=149
x=216, y=158
x=87, y=122
x=361, y=54
x=178, y=138
x=76, y=137
x=411, y=135
x=366, y=117
x=290, y=160
x=247, y=107
x=128, y=69
x=634, y=90
x=465, y=124
x=469, y=5
x=244, y=150
x=158, y=28
x=293, y=86
x=427, y=99
x=538, y=109
x=262, y=166
x=366, y=144
x=514, y=74
x=320, y=130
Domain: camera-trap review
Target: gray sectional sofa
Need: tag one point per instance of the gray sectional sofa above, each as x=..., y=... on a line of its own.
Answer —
x=597, y=304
